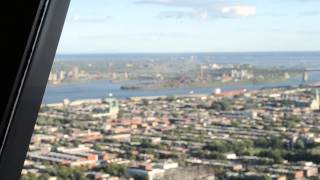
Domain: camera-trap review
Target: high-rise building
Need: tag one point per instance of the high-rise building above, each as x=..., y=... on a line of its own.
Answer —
x=114, y=76
x=75, y=72
x=62, y=75
x=202, y=73
x=315, y=103
x=113, y=106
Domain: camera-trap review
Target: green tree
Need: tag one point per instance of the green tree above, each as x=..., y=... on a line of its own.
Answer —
x=29, y=176
x=115, y=169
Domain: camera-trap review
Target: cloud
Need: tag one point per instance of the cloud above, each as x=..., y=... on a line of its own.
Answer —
x=184, y=14
x=310, y=13
x=92, y=19
x=160, y=35
x=179, y=3
x=243, y=11
x=202, y=9
x=205, y=14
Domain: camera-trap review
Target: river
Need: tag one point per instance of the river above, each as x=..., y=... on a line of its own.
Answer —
x=102, y=89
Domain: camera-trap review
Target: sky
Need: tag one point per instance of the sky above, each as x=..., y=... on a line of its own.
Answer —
x=161, y=26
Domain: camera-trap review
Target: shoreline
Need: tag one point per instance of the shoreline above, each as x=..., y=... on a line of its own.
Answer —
x=123, y=83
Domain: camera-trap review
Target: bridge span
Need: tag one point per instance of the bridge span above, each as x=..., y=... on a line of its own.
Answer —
x=305, y=75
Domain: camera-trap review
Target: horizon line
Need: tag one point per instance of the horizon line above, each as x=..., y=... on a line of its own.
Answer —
x=186, y=52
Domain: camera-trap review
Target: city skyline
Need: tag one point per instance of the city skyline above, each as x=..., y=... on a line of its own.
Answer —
x=190, y=26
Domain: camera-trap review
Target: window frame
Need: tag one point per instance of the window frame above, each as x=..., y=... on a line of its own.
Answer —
x=45, y=19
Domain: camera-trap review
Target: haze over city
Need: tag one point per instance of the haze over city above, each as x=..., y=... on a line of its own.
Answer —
x=106, y=26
